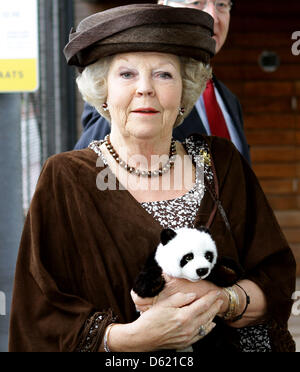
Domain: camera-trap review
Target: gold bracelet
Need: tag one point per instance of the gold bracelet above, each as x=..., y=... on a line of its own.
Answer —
x=234, y=303
x=105, y=342
x=239, y=317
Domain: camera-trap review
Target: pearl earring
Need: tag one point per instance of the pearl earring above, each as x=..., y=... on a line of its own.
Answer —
x=105, y=107
x=181, y=111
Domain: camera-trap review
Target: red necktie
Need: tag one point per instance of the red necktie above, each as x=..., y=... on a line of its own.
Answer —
x=214, y=113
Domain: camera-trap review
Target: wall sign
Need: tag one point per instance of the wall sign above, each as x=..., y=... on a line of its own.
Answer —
x=18, y=45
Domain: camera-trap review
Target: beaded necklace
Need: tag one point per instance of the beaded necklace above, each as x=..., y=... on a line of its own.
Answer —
x=159, y=172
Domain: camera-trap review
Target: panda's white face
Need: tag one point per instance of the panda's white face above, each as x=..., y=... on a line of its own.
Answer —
x=190, y=254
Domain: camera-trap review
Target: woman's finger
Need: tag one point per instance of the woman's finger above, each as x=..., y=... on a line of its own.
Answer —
x=203, y=332
x=210, y=314
x=203, y=304
x=179, y=300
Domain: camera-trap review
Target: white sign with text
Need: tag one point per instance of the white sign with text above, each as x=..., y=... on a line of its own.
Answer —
x=19, y=45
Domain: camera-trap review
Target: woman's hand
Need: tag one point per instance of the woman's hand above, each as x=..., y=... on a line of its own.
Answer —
x=256, y=310
x=172, y=323
x=173, y=286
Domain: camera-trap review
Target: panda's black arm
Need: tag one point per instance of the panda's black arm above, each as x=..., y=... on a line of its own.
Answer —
x=226, y=272
x=149, y=282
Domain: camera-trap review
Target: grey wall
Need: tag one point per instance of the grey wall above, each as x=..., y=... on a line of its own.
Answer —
x=11, y=214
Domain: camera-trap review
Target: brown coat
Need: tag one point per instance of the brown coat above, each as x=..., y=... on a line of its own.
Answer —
x=82, y=248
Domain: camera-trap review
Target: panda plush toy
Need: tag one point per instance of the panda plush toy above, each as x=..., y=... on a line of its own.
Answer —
x=189, y=254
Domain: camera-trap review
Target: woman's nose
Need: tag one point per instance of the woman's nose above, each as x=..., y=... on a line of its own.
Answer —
x=145, y=88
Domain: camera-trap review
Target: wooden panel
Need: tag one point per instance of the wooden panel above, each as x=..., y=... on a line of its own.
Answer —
x=281, y=203
x=298, y=154
x=261, y=88
x=264, y=121
x=257, y=40
x=289, y=219
x=280, y=186
x=249, y=72
x=276, y=170
x=257, y=105
x=278, y=137
x=270, y=101
x=273, y=138
x=231, y=54
x=296, y=250
x=292, y=235
x=278, y=154
x=269, y=89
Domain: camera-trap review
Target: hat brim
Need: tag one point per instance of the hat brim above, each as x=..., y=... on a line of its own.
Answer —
x=143, y=27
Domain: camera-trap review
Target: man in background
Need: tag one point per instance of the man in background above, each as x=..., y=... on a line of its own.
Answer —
x=217, y=112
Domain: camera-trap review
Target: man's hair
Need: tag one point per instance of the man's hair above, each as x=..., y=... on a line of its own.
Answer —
x=92, y=84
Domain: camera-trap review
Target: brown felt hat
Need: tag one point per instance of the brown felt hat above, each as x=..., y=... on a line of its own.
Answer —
x=142, y=27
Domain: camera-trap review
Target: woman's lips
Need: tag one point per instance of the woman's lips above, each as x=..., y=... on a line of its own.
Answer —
x=146, y=111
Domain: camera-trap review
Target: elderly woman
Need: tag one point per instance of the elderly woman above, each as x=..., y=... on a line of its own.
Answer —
x=97, y=213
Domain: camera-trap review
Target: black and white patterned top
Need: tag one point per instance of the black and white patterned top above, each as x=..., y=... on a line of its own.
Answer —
x=181, y=212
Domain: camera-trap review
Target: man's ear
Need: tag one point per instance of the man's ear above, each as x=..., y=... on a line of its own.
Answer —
x=167, y=235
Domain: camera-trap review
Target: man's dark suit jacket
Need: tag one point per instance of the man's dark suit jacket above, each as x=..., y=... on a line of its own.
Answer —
x=96, y=127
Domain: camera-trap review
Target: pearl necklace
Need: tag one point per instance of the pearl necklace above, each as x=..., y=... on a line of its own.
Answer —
x=166, y=168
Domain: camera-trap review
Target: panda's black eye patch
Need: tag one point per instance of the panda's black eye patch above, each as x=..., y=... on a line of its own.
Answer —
x=209, y=256
x=185, y=259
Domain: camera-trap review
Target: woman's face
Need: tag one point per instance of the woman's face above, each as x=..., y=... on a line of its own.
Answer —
x=144, y=93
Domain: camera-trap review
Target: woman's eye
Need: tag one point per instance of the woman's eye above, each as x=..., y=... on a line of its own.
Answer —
x=164, y=75
x=126, y=75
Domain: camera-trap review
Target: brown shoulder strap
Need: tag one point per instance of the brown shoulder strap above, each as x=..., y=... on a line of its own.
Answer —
x=214, y=193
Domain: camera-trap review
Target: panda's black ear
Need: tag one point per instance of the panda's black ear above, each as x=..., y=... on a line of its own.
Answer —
x=167, y=235
x=203, y=229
